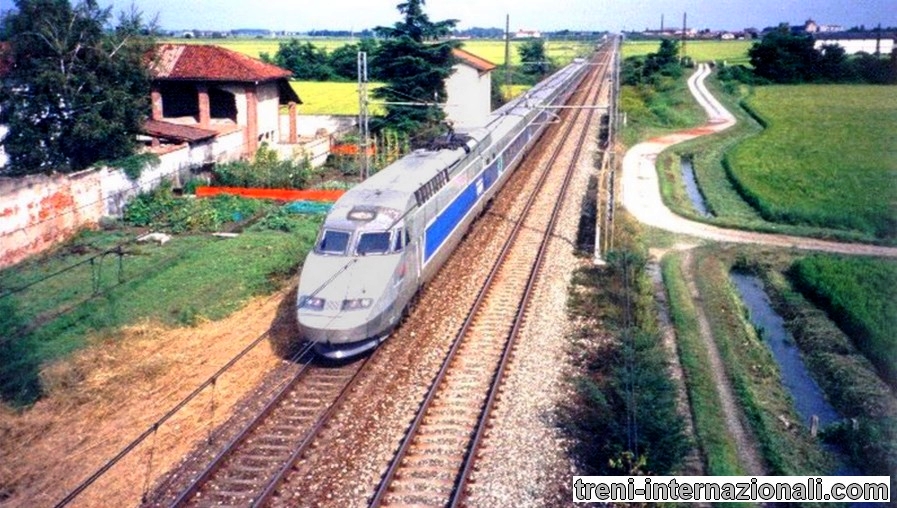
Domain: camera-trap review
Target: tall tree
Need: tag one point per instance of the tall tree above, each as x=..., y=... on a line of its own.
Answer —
x=414, y=63
x=78, y=89
x=533, y=57
x=305, y=60
x=783, y=57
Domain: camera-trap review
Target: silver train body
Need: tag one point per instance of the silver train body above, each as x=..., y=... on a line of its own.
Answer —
x=389, y=235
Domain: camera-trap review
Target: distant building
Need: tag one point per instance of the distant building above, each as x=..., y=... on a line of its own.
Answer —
x=859, y=42
x=469, y=90
x=528, y=34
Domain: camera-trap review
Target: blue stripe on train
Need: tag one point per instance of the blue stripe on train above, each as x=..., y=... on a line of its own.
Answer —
x=448, y=220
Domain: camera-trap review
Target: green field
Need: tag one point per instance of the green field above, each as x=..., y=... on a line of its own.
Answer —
x=826, y=158
x=255, y=47
x=179, y=283
x=732, y=52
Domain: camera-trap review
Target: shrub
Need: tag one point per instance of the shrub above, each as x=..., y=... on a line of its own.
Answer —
x=265, y=171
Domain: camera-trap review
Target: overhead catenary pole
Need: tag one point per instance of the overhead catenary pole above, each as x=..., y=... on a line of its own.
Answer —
x=363, y=115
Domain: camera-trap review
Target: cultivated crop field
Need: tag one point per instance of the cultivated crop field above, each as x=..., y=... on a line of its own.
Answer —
x=732, y=52
x=255, y=47
x=561, y=51
x=825, y=159
x=331, y=98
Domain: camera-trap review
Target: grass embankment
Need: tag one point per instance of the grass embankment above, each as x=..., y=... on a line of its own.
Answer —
x=652, y=112
x=848, y=379
x=624, y=418
x=718, y=449
x=188, y=279
x=825, y=158
x=859, y=294
x=784, y=444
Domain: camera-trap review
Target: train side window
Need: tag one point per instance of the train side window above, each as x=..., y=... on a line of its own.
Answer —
x=398, y=243
x=333, y=242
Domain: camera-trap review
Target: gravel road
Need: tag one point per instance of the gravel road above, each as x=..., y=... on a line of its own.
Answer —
x=641, y=189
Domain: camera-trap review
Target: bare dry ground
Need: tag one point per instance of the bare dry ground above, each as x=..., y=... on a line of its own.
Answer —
x=106, y=395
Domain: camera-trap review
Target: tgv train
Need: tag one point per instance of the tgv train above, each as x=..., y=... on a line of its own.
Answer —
x=387, y=236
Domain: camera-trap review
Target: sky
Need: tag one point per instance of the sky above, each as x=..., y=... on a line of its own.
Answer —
x=544, y=15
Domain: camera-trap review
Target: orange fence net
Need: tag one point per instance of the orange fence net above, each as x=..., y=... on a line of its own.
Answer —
x=278, y=194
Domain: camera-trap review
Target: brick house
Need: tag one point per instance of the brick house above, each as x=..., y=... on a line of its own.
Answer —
x=201, y=92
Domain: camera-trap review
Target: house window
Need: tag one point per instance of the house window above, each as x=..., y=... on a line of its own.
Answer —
x=222, y=105
x=179, y=100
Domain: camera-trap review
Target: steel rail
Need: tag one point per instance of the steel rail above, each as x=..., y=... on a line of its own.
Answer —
x=389, y=476
x=482, y=424
x=307, y=355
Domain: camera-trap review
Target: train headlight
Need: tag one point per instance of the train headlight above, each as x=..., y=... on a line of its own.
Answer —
x=357, y=303
x=311, y=302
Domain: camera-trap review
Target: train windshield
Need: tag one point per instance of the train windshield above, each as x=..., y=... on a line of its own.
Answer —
x=373, y=243
x=333, y=242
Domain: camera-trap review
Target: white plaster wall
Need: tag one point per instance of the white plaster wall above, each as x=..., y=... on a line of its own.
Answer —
x=316, y=149
x=853, y=46
x=240, y=101
x=268, y=112
x=468, y=103
x=307, y=126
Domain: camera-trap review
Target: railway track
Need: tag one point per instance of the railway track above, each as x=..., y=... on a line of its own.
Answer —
x=437, y=454
x=251, y=465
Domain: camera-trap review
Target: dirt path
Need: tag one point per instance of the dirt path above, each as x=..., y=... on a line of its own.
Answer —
x=641, y=189
x=745, y=442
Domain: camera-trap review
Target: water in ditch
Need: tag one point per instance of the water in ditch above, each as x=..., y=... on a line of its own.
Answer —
x=691, y=187
x=808, y=397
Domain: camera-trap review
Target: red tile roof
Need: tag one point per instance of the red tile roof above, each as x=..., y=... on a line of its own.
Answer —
x=474, y=61
x=176, y=132
x=211, y=63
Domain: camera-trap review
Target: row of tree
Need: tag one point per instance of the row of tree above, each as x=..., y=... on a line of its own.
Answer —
x=784, y=57
x=312, y=63
x=76, y=85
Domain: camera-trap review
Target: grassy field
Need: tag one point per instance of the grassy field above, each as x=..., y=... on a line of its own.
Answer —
x=179, y=283
x=825, y=159
x=859, y=294
x=732, y=52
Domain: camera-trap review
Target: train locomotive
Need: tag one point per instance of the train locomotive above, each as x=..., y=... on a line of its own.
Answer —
x=389, y=235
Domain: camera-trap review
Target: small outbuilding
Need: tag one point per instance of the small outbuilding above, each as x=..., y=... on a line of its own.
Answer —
x=469, y=90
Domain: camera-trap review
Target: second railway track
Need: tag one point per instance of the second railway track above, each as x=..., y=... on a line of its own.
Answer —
x=437, y=454
x=251, y=465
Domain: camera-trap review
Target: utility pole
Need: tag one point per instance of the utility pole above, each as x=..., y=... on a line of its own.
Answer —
x=507, y=54
x=364, y=133
x=684, y=28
